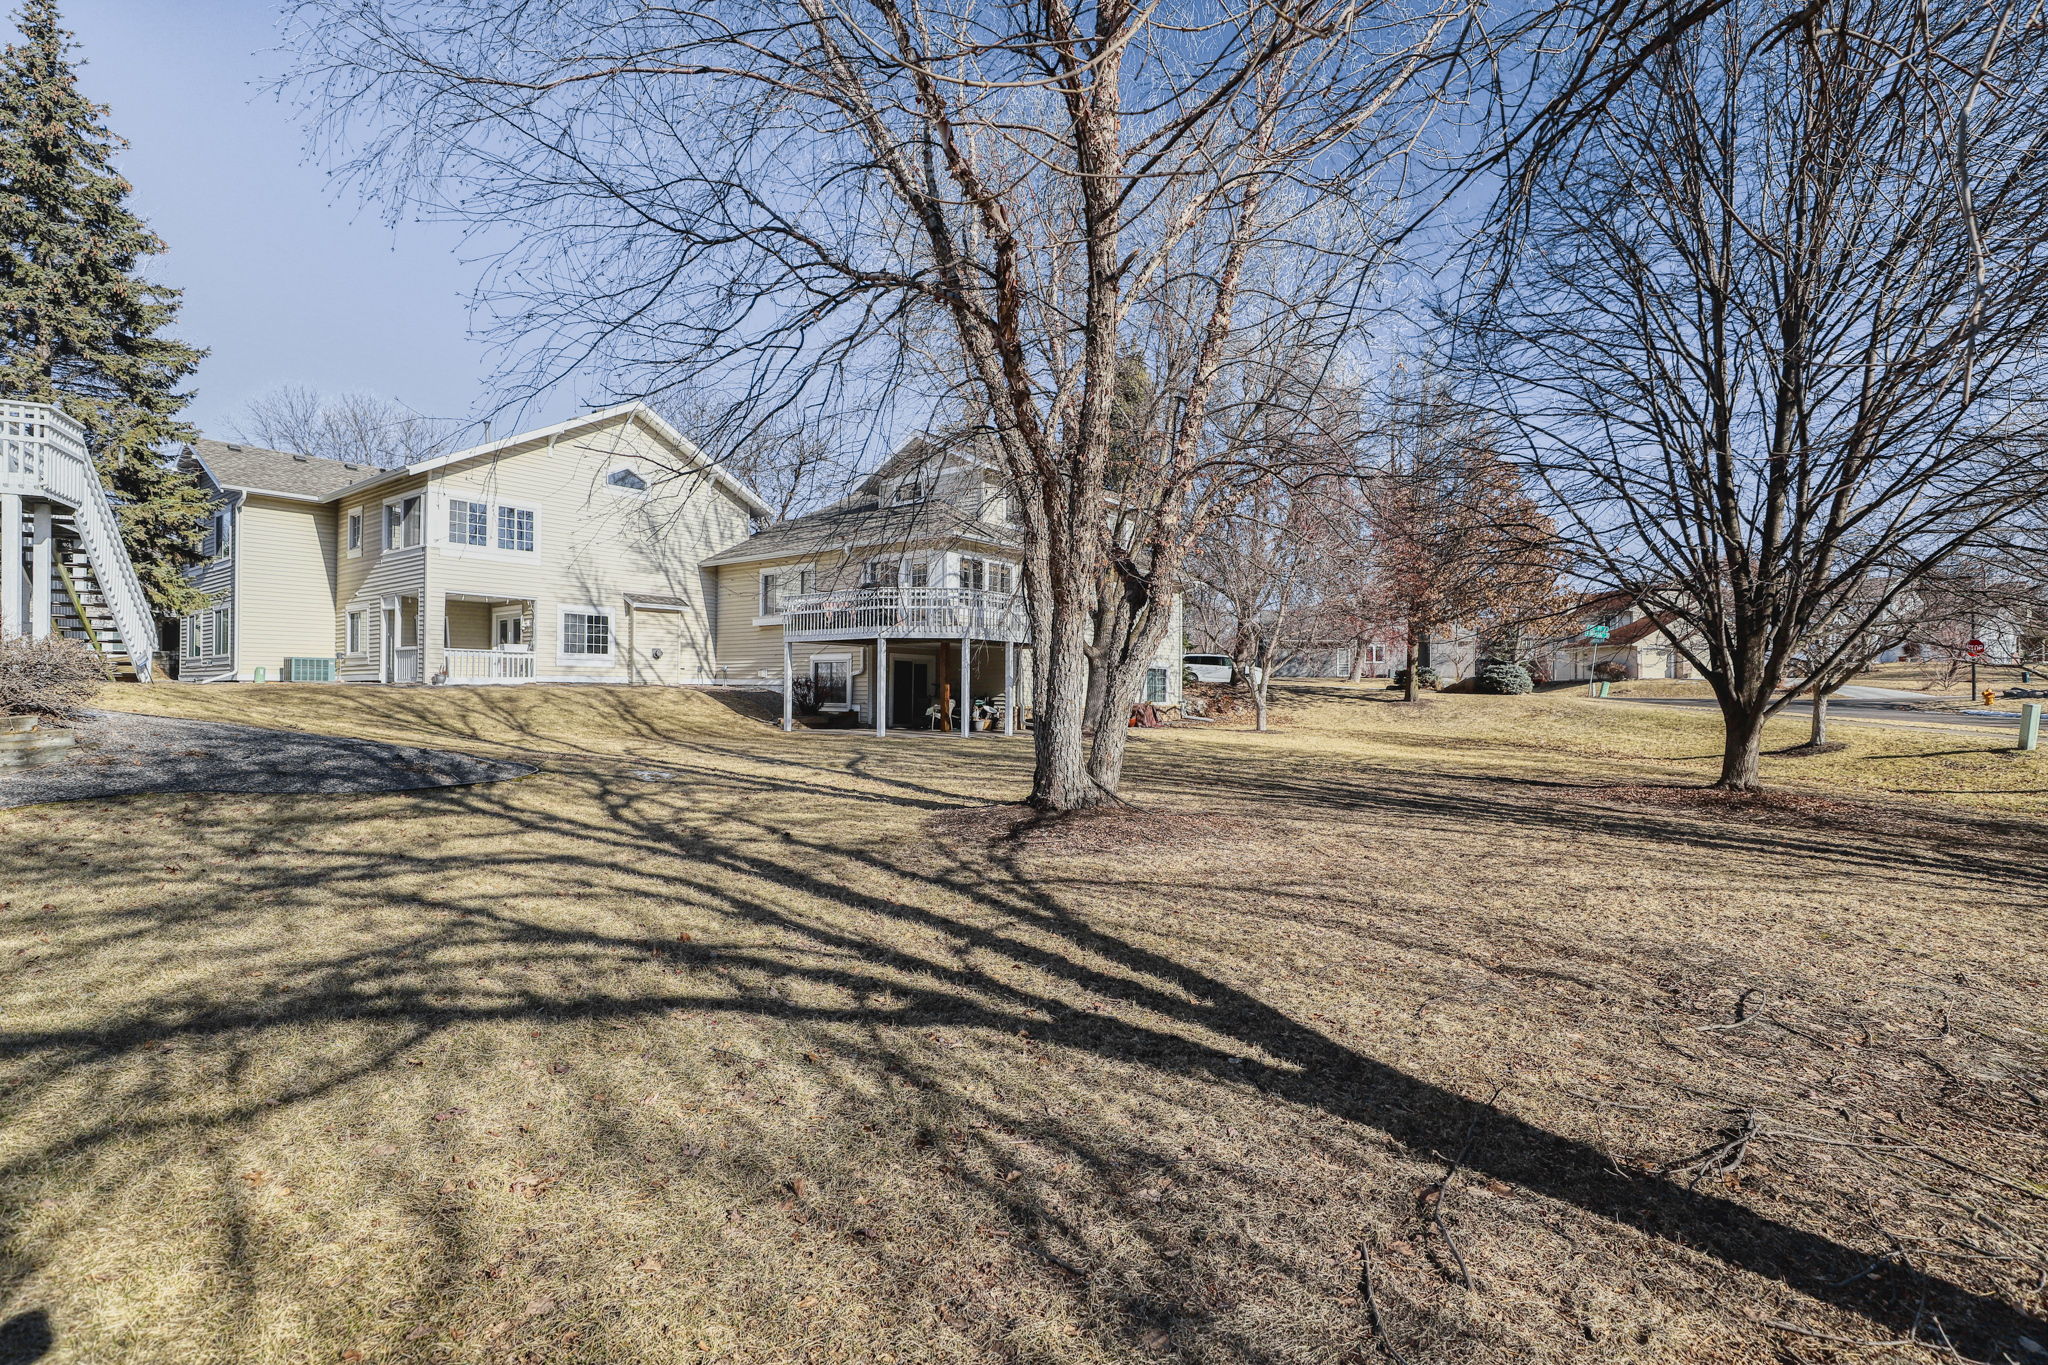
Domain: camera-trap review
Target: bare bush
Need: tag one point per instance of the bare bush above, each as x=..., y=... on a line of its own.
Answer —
x=54, y=677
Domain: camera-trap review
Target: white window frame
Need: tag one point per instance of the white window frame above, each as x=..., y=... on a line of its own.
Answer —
x=498, y=511
x=844, y=661
x=1161, y=672
x=981, y=564
x=221, y=531
x=995, y=570
x=352, y=533
x=567, y=659
x=471, y=508
x=354, y=637
x=221, y=626
x=807, y=581
x=195, y=643
x=917, y=573
x=390, y=530
x=646, y=484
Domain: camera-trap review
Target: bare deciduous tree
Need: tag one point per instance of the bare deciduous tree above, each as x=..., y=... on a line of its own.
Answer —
x=360, y=428
x=810, y=205
x=1778, y=334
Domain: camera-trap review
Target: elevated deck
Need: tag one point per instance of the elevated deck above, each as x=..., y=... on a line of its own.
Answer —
x=906, y=614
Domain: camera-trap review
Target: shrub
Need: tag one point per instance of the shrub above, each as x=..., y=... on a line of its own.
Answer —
x=1610, y=670
x=1503, y=679
x=55, y=677
x=803, y=692
x=1425, y=677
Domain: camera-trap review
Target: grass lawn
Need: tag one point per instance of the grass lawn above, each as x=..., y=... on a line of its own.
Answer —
x=711, y=1043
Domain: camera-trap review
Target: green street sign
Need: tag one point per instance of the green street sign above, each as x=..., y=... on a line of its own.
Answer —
x=1596, y=632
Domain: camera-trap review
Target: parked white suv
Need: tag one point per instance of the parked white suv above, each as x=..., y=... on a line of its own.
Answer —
x=1208, y=668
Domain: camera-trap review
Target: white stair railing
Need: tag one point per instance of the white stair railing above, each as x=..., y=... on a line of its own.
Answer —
x=43, y=454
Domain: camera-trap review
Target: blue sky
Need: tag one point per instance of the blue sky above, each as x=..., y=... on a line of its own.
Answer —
x=287, y=277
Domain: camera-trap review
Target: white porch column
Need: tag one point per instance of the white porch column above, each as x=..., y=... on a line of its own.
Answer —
x=11, y=622
x=879, y=685
x=1009, y=687
x=788, y=686
x=42, y=552
x=966, y=689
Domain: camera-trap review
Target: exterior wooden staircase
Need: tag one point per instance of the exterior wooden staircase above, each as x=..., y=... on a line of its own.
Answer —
x=63, y=570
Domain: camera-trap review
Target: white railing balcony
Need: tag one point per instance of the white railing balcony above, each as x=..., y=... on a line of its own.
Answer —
x=487, y=665
x=900, y=613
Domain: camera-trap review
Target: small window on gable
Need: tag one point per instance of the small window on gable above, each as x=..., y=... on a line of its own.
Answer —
x=910, y=490
x=627, y=479
x=355, y=532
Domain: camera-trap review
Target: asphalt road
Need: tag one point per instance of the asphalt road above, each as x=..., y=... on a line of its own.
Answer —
x=1852, y=709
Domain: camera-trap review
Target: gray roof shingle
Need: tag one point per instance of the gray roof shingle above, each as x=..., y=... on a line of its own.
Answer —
x=863, y=524
x=252, y=469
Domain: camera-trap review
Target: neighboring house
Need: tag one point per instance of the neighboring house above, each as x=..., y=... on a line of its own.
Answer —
x=1634, y=643
x=909, y=591
x=609, y=549
x=574, y=553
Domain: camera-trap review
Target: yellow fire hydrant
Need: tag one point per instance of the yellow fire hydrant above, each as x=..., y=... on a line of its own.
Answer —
x=1989, y=696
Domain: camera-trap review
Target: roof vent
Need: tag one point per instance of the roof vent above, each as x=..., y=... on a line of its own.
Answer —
x=300, y=458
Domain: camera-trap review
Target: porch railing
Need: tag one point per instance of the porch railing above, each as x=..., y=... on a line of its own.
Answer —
x=941, y=613
x=487, y=665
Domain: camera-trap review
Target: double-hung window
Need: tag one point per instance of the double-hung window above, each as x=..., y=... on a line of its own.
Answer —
x=998, y=577
x=515, y=529
x=223, y=631
x=778, y=588
x=469, y=523
x=1155, y=686
x=586, y=634
x=354, y=639
x=195, y=644
x=355, y=532
x=917, y=574
x=882, y=573
x=831, y=682
x=402, y=523
x=973, y=573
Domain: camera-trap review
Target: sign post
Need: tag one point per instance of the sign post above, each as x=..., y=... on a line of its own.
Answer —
x=1594, y=687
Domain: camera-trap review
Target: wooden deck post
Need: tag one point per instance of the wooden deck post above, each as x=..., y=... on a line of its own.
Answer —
x=1009, y=687
x=41, y=557
x=967, y=685
x=11, y=623
x=788, y=686
x=880, y=685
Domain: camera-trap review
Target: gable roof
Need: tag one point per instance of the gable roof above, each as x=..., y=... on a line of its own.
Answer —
x=253, y=469
x=634, y=411
x=849, y=527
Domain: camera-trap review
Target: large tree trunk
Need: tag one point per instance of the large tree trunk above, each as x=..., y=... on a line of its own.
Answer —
x=1357, y=660
x=1060, y=781
x=1412, y=689
x=1741, y=742
x=1819, y=734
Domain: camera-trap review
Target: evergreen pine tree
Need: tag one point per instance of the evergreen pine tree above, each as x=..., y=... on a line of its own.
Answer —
x=81, y=328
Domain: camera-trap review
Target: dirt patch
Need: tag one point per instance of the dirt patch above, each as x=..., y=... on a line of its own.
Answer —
x=1797, y=810
x=1106, y=829
x=1813, y=750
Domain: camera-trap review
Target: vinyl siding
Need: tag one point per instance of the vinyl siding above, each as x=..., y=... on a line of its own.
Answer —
x=363, y=581
x=215, y=578
x=285, y=590
x=594, y=545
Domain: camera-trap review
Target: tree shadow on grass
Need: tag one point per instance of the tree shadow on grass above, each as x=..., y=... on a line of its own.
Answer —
x=867, y=941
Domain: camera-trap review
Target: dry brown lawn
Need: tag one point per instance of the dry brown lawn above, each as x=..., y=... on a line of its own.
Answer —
x=709, y=1043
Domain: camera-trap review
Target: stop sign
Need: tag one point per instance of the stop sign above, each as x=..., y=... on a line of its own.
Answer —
x=1975, y=646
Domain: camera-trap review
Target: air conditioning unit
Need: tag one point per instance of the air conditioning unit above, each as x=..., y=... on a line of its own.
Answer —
x=303, y=670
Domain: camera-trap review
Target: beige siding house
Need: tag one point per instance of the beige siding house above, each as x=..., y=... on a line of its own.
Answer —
x=609, y=549
x=570, y=554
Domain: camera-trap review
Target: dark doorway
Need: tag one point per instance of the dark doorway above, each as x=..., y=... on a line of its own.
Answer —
x=910, y=692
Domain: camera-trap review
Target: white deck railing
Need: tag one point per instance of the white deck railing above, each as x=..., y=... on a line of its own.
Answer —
x=487, y=665
x=43, y=455
x=934, y=613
